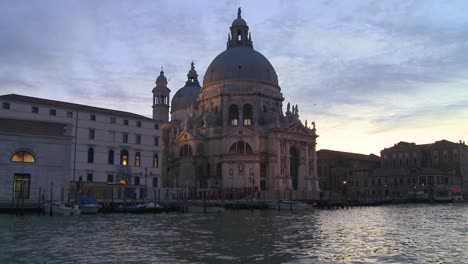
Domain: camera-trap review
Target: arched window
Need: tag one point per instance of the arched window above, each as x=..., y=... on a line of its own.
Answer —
x=137, y=159
x=185, y=151
x=240, y=147
x=234, y=115
x=155, y=160
x=124, y=157
x=247, y=115
x=23, y=156
x=110, y=157
x=90, y=155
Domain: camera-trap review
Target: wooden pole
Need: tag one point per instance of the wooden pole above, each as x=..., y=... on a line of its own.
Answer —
x=39, y=200
x=290, y=200
x=51, y=197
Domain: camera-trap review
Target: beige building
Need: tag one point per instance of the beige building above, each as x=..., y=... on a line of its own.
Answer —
x=231, y=132
x=48, y=143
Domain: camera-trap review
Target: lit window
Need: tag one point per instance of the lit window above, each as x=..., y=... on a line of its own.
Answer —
x=53, y=112
x=234, y=115
x=35, y=109
x=125, y=122
x=6, y=106
x=137, y=159
x=124, y=157
x=92, y=117
x=23, y=156
x=138, y=123
x=247, y=115
x=70, y=114
x=155, y=160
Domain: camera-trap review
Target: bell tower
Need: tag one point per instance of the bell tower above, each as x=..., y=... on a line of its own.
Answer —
x=161, y=98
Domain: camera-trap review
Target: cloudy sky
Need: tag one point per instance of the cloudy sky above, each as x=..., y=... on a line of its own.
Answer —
x=369, y=73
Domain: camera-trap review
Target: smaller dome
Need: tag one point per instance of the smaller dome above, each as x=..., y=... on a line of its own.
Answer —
x=161, y=79
x=185, y=97
x=239, y=22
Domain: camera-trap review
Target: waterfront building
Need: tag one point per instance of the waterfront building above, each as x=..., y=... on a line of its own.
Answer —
x=428, y=171
x=345, y=175
x=231, y=133
x=45, y=141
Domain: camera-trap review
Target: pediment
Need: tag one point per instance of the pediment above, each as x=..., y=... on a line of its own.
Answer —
x=240, y=131
x=184, y=135
x=298, y=127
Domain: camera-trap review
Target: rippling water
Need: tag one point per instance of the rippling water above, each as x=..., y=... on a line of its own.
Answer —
x=385, y=234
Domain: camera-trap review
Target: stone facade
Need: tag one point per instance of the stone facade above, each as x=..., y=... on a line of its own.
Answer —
x=102, y=147
x=404, y=172
x=231, y=133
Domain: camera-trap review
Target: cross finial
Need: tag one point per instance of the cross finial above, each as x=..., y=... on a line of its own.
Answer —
x=162, y=70
x=239, y=12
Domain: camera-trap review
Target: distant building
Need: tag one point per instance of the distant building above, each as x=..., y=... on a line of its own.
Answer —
x=425, y=171
x=345, y=175
x=44, y=141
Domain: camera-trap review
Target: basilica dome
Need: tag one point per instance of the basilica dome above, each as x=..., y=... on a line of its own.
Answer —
x=240, y=63
x=187, y=95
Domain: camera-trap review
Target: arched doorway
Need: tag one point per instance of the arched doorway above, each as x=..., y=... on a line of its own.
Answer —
x=294, y=166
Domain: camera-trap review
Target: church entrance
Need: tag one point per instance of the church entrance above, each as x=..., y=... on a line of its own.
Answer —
x=293, y=166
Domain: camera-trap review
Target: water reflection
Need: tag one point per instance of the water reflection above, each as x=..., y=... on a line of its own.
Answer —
x=390, y=234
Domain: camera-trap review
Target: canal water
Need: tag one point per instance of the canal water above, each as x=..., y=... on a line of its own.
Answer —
x=381, y=234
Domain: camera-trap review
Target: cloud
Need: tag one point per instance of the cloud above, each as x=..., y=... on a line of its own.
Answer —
x=382, y=63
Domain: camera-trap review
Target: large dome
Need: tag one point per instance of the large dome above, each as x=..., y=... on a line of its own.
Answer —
x=240, y=63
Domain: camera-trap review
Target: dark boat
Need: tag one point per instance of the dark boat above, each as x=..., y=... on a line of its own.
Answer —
x=135, y=209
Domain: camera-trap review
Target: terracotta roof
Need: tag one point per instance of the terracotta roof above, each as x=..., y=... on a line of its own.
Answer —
x=35, y=100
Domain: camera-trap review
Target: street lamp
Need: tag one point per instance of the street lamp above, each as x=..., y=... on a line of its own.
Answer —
x=344, y=189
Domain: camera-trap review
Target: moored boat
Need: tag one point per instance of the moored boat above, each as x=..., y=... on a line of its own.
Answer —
x=89, y=205
x=61, y=209
x=136, y=209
